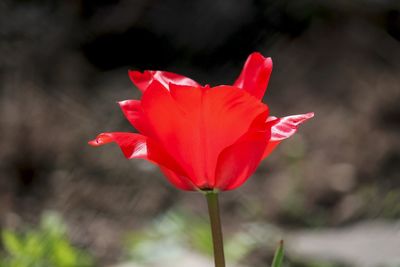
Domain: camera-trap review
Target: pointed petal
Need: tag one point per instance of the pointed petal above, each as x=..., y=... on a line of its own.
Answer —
x=195, y=124
x=138, y=146
x=133, y=111
x=255, y=75
x=143, y=80
x=239, y=161
x=283, y=128
x=132, y=145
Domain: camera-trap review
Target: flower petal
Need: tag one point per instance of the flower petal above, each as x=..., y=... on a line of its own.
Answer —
x=138, y=146
x=255, y=75
x=179, y=181
x=132, y=145
x=283, y=128
x=143, y=80
x=195, y=124
x=270, y=147
x=133, y=111
x=239, y=161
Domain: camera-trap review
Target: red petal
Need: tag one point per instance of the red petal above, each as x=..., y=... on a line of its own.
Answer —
x=133, y=111
x=239, y=161
x=284, y=128
x=255, y=75
x=179, y=181
x=158, y=155
x=138, y=146
x=132, y=145
x=195, y=124
x=270, y=147
x=143, y=80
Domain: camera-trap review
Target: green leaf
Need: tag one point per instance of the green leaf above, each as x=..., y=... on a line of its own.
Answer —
x=12, y=243
x=46, y=246
x=64, y=254
x=34, y=245
x=278, y=257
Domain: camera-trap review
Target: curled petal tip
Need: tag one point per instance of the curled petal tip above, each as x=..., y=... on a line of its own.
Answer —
x=302, y=118
x=285, y=127
x=101, y=139
x=298, y=119
x=122, y=103
x=308, y=115
x=94, y=142
x=132, y=145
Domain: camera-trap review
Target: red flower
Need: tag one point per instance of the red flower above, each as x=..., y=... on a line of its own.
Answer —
x=201, y=137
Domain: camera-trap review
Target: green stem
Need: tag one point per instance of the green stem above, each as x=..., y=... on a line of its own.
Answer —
x=216, y=230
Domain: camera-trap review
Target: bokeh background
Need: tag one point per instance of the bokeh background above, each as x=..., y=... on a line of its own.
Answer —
x=332, y=191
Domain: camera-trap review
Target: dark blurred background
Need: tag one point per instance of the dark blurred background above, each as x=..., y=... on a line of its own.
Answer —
x=63, y=66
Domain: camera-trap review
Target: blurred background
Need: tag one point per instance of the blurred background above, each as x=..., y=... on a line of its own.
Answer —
x=332, y=191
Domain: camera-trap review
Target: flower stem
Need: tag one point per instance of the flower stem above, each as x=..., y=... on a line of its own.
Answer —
x=213, y=211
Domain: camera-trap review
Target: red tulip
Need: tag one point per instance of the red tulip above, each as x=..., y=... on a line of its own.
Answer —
x=202, y=137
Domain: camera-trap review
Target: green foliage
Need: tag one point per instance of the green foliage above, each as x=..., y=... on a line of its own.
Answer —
x=171, y=236
x=47, y=246
x=181, y=232
x=278, y=257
